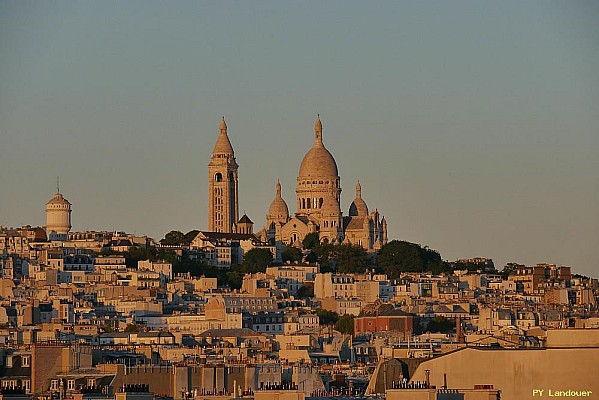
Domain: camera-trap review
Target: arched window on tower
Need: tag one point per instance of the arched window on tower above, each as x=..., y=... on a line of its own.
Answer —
x=218, y=177
x=320, y=201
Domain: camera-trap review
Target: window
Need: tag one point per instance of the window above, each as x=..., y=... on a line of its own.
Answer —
x=54, y=384
x=25, y=361
x=71, y=384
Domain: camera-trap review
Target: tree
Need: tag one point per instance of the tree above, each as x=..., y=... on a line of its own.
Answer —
x=312, y=258
x=345, y=324
x=441, y=324
x=468, y=266
x=292, y=254
x=131, y=328
x=173, y=238
x=396, y=257
x=168, y=255
x=509, y=268
x=256, y=260
x=193, y=266
x=234, y=279
x=138, y=253
x=349, y=258
x=321, y=253
x=311, y=240
x=327, y=317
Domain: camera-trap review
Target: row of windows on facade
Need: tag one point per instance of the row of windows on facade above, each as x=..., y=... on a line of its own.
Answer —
x=314, y=182
x=253, y=301
x=266, y=327
x=17, y=383
x=341, y=287
x=268, y=320
x=55, y=384
x=343, y=279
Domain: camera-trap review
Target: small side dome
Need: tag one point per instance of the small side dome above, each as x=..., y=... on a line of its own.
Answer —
x=358, y=207
x=278, y=207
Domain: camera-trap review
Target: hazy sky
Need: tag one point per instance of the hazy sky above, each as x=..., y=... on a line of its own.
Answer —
x=473, y=126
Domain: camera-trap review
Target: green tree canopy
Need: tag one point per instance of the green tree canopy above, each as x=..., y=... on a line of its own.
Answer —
x=321, y=253
x=173, y=238
x=234, y=279
x=349, y=258
x=131, y=328
x=138, y=253
x=509, y=268
x=256, y=260
x=305, y=291
x=292, y=254
x=345, y=324
x=396, y=257
x=441, y=324
x=327, y=317
x=466, y=266
x=311, y=240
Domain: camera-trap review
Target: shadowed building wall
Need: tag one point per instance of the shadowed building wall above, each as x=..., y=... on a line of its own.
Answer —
x=516, y=372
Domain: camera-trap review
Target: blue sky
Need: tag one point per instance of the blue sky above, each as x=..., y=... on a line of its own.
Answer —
x=473, y=126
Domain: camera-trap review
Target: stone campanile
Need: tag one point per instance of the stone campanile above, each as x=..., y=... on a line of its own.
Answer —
x=223, y=202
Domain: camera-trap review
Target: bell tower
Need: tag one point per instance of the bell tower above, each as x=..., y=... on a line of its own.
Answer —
x=223, y=201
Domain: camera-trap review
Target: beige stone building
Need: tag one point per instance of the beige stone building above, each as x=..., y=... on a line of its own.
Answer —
x=318, y=196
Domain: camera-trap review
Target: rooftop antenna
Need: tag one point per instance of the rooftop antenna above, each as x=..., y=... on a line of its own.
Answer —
x=58, y=184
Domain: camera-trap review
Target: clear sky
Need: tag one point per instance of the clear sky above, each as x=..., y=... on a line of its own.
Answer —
x=473, y=126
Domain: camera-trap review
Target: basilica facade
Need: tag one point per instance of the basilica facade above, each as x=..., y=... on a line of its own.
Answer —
x=318, y=208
